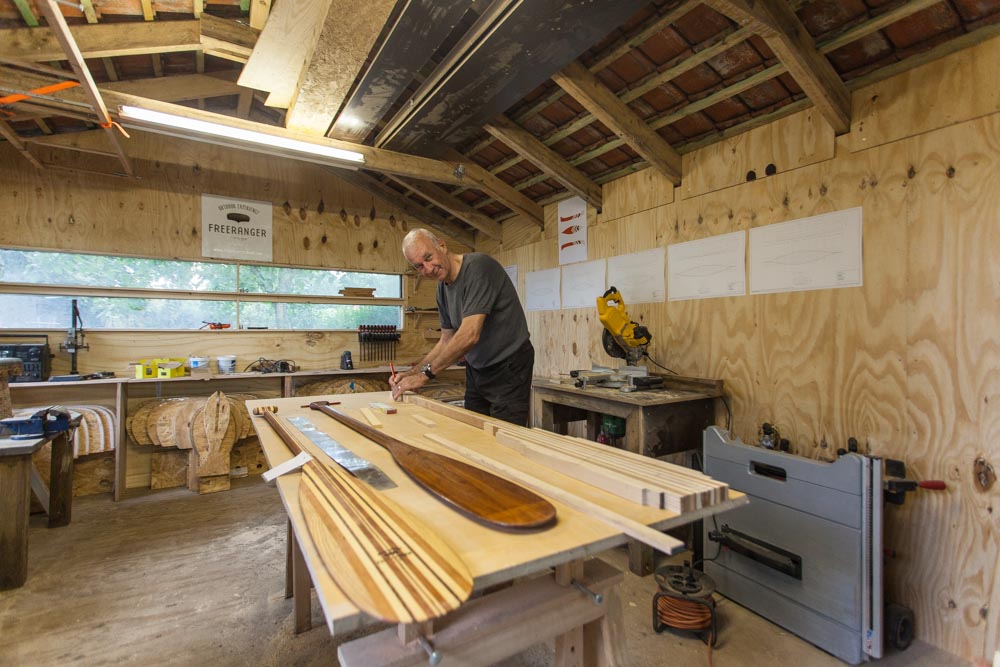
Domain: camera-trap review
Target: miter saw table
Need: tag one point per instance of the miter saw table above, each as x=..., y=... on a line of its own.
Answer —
x=628, y=379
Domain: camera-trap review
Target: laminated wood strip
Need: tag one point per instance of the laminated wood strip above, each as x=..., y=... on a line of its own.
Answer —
x=80, y=439
x=641, y=466
x=386, y=562
x=630, y=527
x=665, y=486
x=458, y=414
x=95, y=439
x=611, y=481
x=110, y=424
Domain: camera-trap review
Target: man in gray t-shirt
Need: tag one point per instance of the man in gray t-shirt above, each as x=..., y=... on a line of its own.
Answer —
x=482, y=320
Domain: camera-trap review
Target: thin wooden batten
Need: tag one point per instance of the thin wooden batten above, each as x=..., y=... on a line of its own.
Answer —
x=57, y=22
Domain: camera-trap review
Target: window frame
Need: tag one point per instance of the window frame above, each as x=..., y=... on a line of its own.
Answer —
x=237, y=297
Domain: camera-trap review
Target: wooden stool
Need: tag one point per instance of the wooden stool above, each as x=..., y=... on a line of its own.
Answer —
x=8, y=368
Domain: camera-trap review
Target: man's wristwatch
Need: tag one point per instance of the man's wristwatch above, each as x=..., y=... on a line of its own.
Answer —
x=426, y=370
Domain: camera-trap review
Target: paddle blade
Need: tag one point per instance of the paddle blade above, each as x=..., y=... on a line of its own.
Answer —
x=479, y=494
x=387, y=562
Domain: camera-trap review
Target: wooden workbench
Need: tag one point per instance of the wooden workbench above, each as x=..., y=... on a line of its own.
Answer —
x=490, y=627
x=658, y=423
x=16, y=482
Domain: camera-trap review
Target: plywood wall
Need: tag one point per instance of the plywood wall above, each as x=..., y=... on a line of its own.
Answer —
x=909, y=363
x=319, y=221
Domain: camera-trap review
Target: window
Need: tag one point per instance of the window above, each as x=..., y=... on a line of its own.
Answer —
x=113, y=292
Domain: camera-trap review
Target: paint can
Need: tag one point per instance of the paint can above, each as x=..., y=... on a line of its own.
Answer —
x=197, y=362
x=227, y=363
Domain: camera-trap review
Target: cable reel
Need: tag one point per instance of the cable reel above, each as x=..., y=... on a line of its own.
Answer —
x=685, y=602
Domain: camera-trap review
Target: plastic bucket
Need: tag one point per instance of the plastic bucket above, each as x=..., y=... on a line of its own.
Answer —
x=198, y=362
x=227, y=363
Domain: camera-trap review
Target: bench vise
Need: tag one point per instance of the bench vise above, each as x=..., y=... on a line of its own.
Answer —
x=47, y=421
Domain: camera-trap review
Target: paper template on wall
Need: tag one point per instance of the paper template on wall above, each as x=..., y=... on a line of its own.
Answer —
x=572, y=231
x=512, y=273
x=639, y=276
x=542, y=290
x=583, y=283
x=820, y=252
x=235, y=228
x=707, y=268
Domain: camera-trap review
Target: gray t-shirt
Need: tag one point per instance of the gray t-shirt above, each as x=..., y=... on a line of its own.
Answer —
x=483, y=287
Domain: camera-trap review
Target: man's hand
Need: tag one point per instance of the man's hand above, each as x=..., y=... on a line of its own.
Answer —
x=404, y=383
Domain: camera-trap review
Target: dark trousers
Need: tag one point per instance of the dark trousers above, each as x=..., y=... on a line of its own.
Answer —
x=502, y=390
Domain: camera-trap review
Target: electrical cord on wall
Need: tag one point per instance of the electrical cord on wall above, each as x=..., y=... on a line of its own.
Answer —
x=263, y=365
x=729, y=413
x=646, y=354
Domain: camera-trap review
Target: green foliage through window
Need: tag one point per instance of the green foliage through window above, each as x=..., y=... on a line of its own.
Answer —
x=296, y=298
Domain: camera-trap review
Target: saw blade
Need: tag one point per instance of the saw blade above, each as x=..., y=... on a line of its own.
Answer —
x=351, y=462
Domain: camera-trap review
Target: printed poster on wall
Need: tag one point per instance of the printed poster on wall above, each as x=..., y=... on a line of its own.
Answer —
x=707, y=268
x=572, y=231
x=638, y=276
x=582, y=283
x=512, y=273
x=235, y=228
x=819, y=252
x=541, y=290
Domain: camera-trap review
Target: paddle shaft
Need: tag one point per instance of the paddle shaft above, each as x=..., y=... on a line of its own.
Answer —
x=478, y=493
x=283, y=433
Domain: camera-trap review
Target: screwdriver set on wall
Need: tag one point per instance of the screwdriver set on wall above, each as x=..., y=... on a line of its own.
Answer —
x=378, y=342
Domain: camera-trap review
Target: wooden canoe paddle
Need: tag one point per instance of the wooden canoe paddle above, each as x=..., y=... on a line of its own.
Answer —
x=480, y=495
x=390, y=564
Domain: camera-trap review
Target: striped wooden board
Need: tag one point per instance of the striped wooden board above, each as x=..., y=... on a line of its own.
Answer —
x=386, y=561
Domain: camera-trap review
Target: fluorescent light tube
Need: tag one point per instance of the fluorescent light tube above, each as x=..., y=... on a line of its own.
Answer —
x=225, y=135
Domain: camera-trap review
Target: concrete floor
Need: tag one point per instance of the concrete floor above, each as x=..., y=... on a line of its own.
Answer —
x=173, y=578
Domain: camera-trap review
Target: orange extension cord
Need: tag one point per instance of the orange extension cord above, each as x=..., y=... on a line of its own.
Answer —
x=693, y=614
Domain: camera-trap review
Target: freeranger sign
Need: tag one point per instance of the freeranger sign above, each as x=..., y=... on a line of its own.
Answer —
x=235, y=228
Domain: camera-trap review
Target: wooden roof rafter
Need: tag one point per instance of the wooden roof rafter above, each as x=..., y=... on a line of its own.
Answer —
x=784, y=33
x=498, y=189
x=378, y=189
x=453, y=205
x=101, y=40
x=531, y=149
x=655, y=79
x=57, y=23
x=8, y=133
x=594, y=96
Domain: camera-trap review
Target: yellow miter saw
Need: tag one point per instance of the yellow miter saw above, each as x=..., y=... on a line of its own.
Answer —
x=622, y=338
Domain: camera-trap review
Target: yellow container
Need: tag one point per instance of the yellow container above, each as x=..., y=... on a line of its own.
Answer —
x=145, y=369
x=170, y=367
